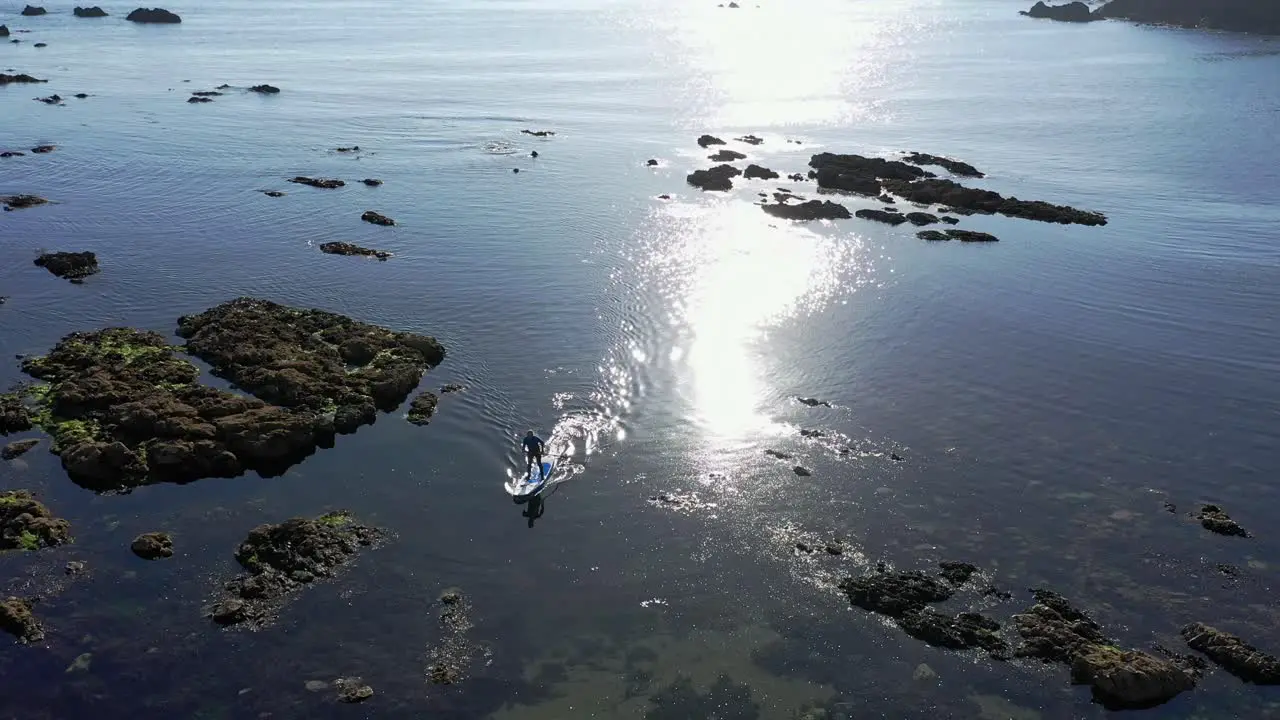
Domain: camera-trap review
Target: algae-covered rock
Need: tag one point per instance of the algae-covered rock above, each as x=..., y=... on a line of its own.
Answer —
x=14, y=416
x=1215, y=519
x=962, y=632
x=422, y=408
x=1234, y=654
x=26, y=524
x=17, y=620
x=73, y=266
x=280, y=559
x=18, y=448
x=895, y=594
x=152, y=546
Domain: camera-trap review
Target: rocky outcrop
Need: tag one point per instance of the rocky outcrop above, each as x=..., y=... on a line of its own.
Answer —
x=1248, y=16
x=961, y=235
x=807, y=211
x=323, y=183
x=124, y=411
x=33, y=11
x=152, y=546
x=265, y=89
x=1233, y=654
x=895, y=594
x=273, y=193
x=279, y=560
x=884, y=216
x=43, y=149
x=756, y=172
x=750, y=139
x=724, y=156
x=813, y=402
x=957, y=573
x=1215, y=519
x=90, y=12
x=310, y=359
x=26, y=524
x=14, y=416
x=859, y=174
x=1071, y=12
x=4, y=31
x=955, y=167
x=937, y=191
x=422, y=408
x=1055, y=631
x=718, y=178
x=920, y=219
x=73, y=266
x=370, y=216
x=19, y=78
x=18, y=448
x=54, y=99
x=961, y=632
x=153, y=15
x=708, y=140
x=371, y=182
x=344, y=248
x=17, y=620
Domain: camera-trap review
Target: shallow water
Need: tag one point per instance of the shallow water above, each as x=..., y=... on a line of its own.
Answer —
x=1046, y=393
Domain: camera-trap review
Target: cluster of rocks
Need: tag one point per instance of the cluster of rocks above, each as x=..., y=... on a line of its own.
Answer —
x=26, y=524
x=1247, y=16
x=278, y=560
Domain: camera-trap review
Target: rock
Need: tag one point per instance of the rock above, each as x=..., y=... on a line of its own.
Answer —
x=17, y=448
x=750, y=139
x=452, y=388
x=11, y=153
x=961, y=235
x=707, y=140
x=895, y=594
x=937, y=191
x=921, y=218
x=344, y=248
x=273, y=193
x=199, y=99
x=726, y=156
x=422, y=408
x=73, y=266
x=858, y=174
x=317, y=182
x=26, y=524
x=1071, y=12
x=1233, y=654
x=733, y=5
x=43, y=149
x=955, y=167
x=892, y=218
x=956, y=573
x=652, y=163
x=152, y=15
x=757, y=172
x=812, y=433
x=352, y=690
x=353, y=148
x=40, y=45
x=371, y=182
x=533, y=154
x=664, y=196
x=265, y=89
x=949, y=220
x=207, y=93
x=81, y=663
x=1128, y=678
x=370, y=216
x=20, y=78
x=997, y=593
x=812, y=402
x=33, y=10
x=1215, y=519
x=796, y=177
x=515, y=170
x=1235, y=15
x=280, y=559
x=801, y=471
x=778, y=454
x=13, y=414
x=719, y=178
x=90, y=12
x=538, y=133
x=1055, y=631
x=4, y=31
x=309, y=359
x=808, y=211
x=449, y=660
x=962, y=632
x=17, y=620
x=152, y=546
x=75, y=567
x=54, y=99
x=924, y=673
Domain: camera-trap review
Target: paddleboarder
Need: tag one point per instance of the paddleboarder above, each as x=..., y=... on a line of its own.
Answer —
x=533, y=447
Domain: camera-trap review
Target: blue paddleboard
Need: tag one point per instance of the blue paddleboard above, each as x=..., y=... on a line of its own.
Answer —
x=533, y=482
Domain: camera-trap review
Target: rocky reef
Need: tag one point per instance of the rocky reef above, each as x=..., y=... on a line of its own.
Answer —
x=26, y=524
x=1233, y=654
x=955, y=167
x=961, y=235
x=279, y=560
x=19, y=78
x=449, y=660
x=1216, y=520
x=939, y=191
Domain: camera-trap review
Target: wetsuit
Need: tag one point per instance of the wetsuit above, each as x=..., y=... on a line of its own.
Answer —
x=533, y=452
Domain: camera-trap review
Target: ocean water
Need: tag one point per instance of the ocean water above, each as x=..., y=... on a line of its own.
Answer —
x=1046, y=394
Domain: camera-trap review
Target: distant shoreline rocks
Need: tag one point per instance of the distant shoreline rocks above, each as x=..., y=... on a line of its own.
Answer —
x=1247, y=16
x=89, y=12
x=33, y=11
x=153, y=15
x=1071, y=12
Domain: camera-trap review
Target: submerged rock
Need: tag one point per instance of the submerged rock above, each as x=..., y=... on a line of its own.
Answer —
x=895, y=594
x=961, y=235
x=352, y=690
x=17, y=620
x=370, y=216
x=33, y=10
x=353, y=148
x=708, y=140
x=801, y=471
x=153, y=15
x=812, y=402
x=651, y=162
x=961, y=632
x=719, y=178
x=265, y=89
x=73, y=266
x=323, y=183
x=452, y=388
x=1071, y=12
x=778, y=454
x=310, y=359
x=538, y=133
x=371, y=182
x=199, y=99
x=20, y=78
x=939, y=191
x=957, y=573
x=26, y=524
x=1215, y=519
x=422, y=408
x=280, y=559
x=884, y=216
x=208, y=93
x=89, y=12
x=756, y=172
x=18, y=448
x=808, y=211
x=152, y=546
x=54, y=99
x=449, y=661
x=273, y=193
x=955, y=167
x=1233, y=654
x=43, y=149
x=725, y=155
x=344, y=248
x=11, y=153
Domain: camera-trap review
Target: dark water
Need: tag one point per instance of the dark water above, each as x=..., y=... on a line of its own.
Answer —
x=1046, y=394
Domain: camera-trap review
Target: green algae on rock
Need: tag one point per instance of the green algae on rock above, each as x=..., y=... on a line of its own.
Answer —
x=281, y=559
x=26, y=524
x=310, y=359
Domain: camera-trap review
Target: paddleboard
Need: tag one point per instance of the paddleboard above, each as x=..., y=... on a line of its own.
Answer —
x=533, y=482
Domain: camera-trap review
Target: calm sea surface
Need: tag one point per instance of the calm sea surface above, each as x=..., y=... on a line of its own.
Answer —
x=1045, y=394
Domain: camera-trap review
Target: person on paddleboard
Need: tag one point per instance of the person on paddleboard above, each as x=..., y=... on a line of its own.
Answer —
x=533, y=447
